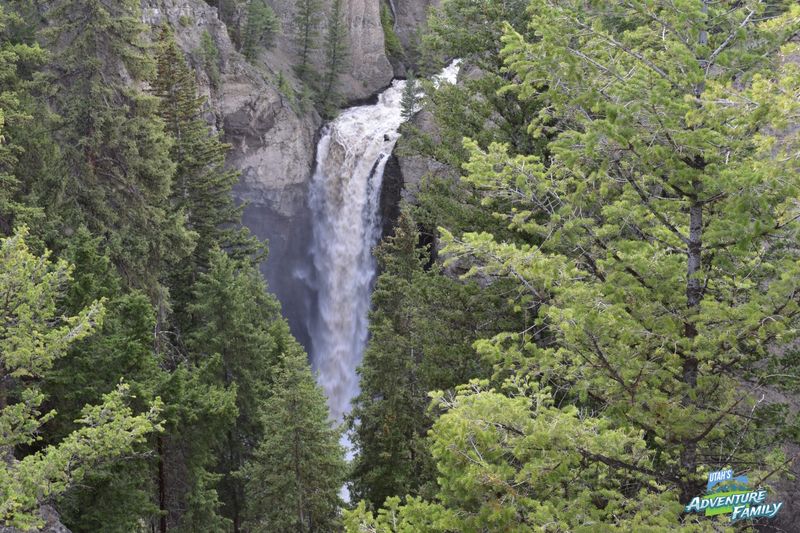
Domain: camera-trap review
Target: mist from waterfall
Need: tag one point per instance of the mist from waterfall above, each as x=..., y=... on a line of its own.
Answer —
x=345, y=196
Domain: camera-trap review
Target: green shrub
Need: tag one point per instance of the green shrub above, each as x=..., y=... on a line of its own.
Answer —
x=210, y=55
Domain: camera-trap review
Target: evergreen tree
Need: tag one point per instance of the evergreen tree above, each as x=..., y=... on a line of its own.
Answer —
x=659, y=267
x=336, y=57
x=14, y=115
x=175, y=479
x=262, y=28
x=201, y=190
x=388, y=416
x=210, y=56
x=515, y=462
x=118, y=496
x=199, y=413
x=115, y=151
x=32, y=337
x=475, y=107
x=695, y=187
x=295, y=475
x=422, y=327
x=306, y=20
x=243, y=334
x=472, y=30
x=410, y=99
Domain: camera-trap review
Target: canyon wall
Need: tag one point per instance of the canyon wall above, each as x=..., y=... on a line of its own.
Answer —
x=272, y=131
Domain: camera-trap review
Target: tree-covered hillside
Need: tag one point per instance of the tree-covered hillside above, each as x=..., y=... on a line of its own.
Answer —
x=628, y=183
x=143, y=363
x=589, y=302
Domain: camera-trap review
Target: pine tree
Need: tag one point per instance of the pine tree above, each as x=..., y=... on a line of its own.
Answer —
x=209, y=53
x=199, y=414
x=693, y=185
x=336, y=56
x=475, y=107
x=175, y=476
x=114, y=497
x=14, y=113
x=240, y=340
x=410, y=98
x=515, y=462
x=422, y=327
x=306, y=21
x=201, y=190
x=658, y=263
x=206, y=284
x=295, y=475
x=115, y=150
x=472, y=30
x=388, y=416
x=33, y=336
x=262, y=28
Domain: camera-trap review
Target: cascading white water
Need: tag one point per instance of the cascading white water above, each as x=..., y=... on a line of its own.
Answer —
x=345, y=195
x=394, y=14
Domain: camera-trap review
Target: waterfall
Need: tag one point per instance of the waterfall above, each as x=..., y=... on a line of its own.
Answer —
x=394, y=14
x=345, y=195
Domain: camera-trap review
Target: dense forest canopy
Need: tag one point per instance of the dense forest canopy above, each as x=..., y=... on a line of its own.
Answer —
x=588, y=303
x=141, y=367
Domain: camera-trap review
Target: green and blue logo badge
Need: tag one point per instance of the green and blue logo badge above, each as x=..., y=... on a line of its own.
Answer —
x=726, y=494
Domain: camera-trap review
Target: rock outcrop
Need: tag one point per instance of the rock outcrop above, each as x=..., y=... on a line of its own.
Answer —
x=410, y=15
x=272, y=138
x=413, y=168
x=52, y=522
x=369, y=70
x=273, y=135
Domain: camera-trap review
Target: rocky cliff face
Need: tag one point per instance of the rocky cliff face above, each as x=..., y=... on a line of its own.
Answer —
x=273, y=137
x=414, y=168
x=369, y=70
x=273, y=140
x=410, y=15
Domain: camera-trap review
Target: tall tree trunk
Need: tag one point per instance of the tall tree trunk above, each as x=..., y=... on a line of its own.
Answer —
x=694, y=295
x=4, y=377
x=233, y=465
x=162, y=487
x=299, y=479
